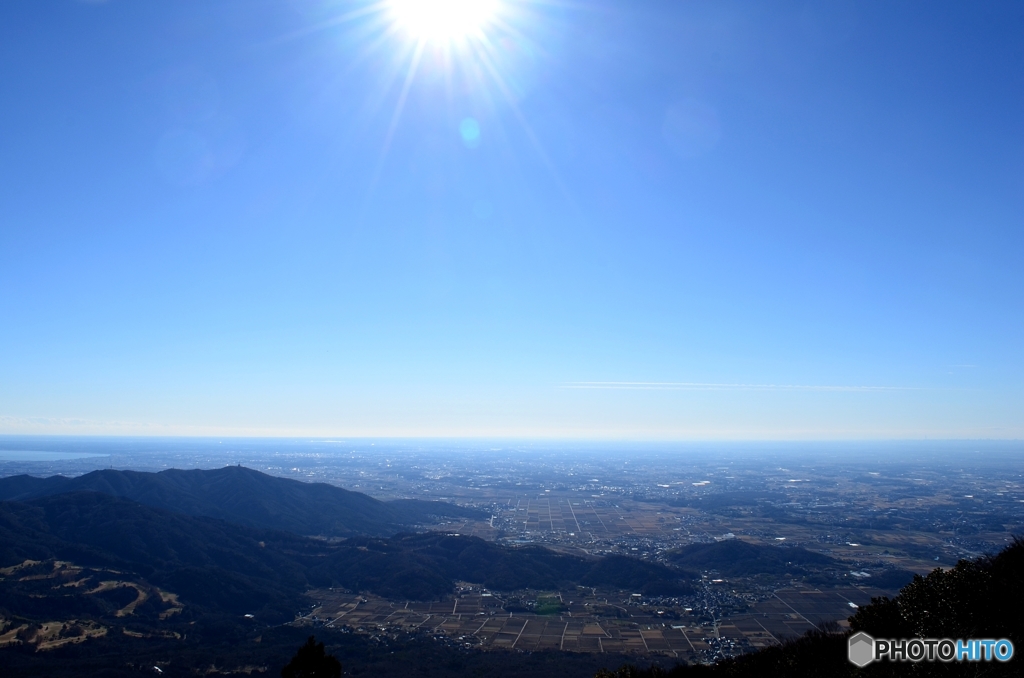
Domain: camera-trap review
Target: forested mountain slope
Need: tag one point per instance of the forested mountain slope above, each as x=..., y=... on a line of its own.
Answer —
x=247, y=497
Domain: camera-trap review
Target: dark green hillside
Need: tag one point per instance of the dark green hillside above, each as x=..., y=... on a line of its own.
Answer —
x=247, y=497
x=639, y=576
x=473, y=559
x=736, y=558
x=17, y=488
x=424, y=566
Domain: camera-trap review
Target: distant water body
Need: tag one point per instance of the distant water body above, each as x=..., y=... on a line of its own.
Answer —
x=37, y=455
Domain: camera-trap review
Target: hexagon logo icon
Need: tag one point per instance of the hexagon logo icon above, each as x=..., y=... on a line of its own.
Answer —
x=861, y=649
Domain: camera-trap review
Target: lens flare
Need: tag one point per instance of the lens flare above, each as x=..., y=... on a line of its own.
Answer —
x=469, y=130
x=443, y=20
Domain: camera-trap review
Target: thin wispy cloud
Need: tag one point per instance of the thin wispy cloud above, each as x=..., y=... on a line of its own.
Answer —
x=707, y=386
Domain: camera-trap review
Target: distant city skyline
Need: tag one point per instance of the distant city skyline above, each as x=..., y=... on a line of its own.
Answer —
x=512, y=218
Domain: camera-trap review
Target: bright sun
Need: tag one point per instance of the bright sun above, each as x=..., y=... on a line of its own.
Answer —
x=443, y=20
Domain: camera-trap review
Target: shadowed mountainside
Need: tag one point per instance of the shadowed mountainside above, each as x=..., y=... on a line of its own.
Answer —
x=209, y=563
x=247, y=497
x=423, y=566
x=737, y=558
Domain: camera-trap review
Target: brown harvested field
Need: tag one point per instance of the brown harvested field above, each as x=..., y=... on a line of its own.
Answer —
x=471, y=616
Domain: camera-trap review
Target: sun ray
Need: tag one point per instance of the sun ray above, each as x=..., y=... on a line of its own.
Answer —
x=466, y=48
x=538, y=147
x=397, y=114
x=342, y=19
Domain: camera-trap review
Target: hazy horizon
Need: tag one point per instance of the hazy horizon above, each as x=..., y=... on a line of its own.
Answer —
x=11, y=442
x=78, y=429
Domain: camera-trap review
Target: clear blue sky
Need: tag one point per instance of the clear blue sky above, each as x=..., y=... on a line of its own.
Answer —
x=745, y=220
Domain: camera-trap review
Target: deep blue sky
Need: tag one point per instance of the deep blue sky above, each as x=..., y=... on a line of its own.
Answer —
x=213, y=221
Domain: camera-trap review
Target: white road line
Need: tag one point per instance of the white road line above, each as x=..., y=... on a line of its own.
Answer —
x=579, y=530
x=520, y=633
x=795, y=611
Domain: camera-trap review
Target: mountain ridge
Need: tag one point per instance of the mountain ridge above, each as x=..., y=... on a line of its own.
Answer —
x=246, y=497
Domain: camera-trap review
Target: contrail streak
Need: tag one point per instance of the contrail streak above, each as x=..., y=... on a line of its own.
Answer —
x=705, y=386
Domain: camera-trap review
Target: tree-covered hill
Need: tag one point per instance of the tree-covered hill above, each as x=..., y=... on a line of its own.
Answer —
x=737, y=558
x=423, y=566
x=211, y=564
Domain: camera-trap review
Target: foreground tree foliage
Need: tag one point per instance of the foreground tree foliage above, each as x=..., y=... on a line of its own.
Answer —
x=311, y=661
x=982, y=598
